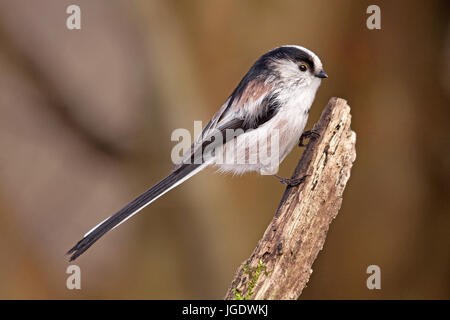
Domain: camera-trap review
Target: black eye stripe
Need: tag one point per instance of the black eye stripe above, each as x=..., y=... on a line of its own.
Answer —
x=308, y=62
x=294, y=54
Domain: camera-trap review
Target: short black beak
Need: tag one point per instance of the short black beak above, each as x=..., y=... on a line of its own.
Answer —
x=322, y=75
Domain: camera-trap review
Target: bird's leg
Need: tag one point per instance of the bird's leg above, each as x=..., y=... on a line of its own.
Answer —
x=292, y=182
x=307, y=134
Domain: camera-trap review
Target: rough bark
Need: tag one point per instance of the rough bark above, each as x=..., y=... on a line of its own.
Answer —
x=281, y=264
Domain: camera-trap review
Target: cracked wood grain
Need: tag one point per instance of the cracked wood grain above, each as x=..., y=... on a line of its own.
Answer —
x=298, y=230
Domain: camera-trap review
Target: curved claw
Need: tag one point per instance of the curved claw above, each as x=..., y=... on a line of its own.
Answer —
x=291, y=182
x=307, y=134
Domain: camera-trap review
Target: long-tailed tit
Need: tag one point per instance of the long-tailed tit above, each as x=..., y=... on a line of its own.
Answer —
x=272, y=100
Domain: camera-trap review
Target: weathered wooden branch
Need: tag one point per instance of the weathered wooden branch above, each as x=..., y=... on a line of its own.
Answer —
x=280, y=265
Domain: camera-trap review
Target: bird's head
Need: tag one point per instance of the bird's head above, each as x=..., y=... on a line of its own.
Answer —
x=292, y=65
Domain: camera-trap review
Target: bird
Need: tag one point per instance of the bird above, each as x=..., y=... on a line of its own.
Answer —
x=269, y=108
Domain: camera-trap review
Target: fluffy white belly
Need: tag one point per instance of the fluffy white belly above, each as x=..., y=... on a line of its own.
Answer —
x=264, y=148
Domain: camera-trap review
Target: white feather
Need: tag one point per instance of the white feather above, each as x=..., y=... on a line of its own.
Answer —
x=290, y=121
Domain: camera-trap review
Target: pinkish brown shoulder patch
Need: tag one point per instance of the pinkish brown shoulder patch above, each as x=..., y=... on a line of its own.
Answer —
x=254, y=90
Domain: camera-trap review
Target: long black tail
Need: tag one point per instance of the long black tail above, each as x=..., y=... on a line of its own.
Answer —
x=171, y=181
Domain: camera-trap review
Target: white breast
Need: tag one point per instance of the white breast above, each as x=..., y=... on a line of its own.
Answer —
x=264, y=148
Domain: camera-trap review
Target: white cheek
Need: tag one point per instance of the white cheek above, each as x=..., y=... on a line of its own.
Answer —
x=316, y=83
x=312, y=82
x=289, y=71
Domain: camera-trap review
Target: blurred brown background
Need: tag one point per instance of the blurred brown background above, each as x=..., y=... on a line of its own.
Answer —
x=85, y=124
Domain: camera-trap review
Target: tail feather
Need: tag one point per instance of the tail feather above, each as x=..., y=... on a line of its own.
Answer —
x=171, y=181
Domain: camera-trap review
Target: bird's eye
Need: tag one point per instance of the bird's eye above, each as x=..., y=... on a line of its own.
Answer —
x=303, y=67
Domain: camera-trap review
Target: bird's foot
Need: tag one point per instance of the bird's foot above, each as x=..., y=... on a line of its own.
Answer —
x=307, y=134
x=291, y=182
